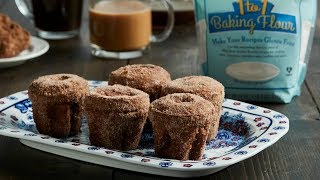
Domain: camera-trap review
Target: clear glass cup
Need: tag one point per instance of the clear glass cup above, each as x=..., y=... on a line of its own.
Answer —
x=122, y=29
x=54, y=19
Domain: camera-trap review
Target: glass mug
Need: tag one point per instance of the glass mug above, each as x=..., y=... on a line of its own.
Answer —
x=53, y=19
x=122, y=29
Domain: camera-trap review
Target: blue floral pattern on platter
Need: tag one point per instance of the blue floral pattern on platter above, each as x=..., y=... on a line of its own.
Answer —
x=244, y=130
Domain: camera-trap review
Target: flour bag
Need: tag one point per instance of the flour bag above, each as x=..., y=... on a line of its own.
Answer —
x=258, y=49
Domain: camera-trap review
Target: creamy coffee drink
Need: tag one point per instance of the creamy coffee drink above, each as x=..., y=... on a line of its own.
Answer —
x=120, y=25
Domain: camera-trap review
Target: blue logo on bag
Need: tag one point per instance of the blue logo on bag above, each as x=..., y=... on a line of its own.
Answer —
x=252, y=15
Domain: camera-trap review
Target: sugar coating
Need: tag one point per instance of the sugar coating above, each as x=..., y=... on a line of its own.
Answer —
x=57, y=103
x=182, y=104
x=117, y=98
x=206, y=87
x=116, y=116
x=181, y=124
x=64, y=87
x=146, y=77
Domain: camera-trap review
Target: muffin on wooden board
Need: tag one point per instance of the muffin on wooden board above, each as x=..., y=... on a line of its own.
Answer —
x=203, y=86
x=57, y=104
x=181, y=124
x=116, y=116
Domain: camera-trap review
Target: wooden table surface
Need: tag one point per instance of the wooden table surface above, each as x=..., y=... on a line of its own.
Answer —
x=295, y=156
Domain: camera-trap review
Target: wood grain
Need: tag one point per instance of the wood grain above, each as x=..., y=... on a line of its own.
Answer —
x=22, y=161
x=313, y=74
x=312, y=79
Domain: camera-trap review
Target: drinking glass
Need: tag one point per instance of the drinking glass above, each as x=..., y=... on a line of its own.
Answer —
x=53, y=19
x=122, y=29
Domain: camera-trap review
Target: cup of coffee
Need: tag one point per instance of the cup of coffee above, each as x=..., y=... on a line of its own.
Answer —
x=54, y=19
x=122, y=29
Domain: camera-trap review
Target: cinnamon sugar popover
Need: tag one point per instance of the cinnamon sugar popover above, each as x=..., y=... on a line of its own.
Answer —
x=145, y=77
x=181, y=125
x=203, y=86
x=116, y=116
x=57, y=103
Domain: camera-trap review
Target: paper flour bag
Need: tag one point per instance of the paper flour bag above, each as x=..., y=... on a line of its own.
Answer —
x=258, y=49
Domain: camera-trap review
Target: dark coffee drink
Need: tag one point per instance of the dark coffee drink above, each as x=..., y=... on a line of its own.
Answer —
x=57, y=15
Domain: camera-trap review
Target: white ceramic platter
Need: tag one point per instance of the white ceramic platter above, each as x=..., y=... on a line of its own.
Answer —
x=37, y=48
x=244, y=131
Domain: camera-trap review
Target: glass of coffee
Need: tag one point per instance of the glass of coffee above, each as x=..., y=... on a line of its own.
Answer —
x=122, y=29
x=54, y=19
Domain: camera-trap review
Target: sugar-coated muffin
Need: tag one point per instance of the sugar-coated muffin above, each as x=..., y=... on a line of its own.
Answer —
x=203, y=86
x=145, y=77
x=57, y=104
x=181, y=124
x=116, y=116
